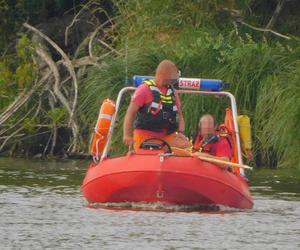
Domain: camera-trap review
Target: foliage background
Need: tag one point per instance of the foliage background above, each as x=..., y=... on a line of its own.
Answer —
x=207, y=39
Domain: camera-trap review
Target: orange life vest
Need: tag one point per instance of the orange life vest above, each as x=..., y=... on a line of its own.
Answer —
x=106, y=112
x=232, y=135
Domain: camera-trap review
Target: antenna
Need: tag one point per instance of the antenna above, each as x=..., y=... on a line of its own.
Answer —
x=126, y=62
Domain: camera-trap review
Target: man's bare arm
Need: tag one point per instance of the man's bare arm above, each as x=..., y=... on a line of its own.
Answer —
x=128, y=123
x=181, y=121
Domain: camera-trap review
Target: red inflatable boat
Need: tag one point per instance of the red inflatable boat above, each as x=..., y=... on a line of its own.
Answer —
x=153, y=175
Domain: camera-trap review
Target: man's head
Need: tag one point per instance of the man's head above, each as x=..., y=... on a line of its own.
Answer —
x=166, y=71
x=206, y=125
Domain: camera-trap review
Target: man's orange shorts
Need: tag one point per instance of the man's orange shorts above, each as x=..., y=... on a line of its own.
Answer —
x=173, y=139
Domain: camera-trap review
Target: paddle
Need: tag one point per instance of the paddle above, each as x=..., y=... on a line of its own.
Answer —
x=228, y=163
x=184, y=152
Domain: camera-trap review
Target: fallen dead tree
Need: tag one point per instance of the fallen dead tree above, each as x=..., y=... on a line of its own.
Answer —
x=55, y=88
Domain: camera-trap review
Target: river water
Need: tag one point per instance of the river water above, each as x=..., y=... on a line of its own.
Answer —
x=41, y=207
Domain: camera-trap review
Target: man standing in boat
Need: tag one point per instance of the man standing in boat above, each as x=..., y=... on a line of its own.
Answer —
x=155, y=110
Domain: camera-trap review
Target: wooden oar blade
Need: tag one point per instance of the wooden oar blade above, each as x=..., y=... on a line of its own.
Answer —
x=233, y=164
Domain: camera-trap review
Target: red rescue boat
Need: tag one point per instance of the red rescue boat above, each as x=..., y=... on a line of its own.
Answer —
x=155, y=175
x=164, y=178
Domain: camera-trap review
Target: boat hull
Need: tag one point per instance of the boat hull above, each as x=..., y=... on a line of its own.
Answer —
x=176, y=180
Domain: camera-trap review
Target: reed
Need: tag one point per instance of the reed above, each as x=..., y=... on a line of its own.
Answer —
x=264, y=75
x=278, y=116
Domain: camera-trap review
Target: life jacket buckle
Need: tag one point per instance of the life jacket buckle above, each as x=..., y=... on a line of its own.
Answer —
x=165, y=115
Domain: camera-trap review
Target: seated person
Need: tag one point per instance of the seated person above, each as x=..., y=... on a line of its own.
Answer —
x=208, y=143
x=156, y=110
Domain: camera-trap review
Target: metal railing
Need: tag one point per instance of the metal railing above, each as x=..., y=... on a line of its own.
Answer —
x=221, y=93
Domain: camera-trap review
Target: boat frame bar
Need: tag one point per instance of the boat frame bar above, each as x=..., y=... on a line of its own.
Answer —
x=181, y=91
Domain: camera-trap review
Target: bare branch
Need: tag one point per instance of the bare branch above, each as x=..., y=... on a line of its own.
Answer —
x=81, y=46
x=67, y=62
x=91, y=41
x=276, y=14
x=109, y=47
x=75, y=19
x=14, y=134
x=84, y=61
x=44, y=55
x=9, y=137
x=54, y=139
x=16, y=123
x=21, y=100
x=4, y=137
x=265, y=30
x=237, y=18
x=53, y=134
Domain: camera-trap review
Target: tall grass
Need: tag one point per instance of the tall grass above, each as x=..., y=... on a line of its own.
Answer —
x=278, y=116
x=264, y=75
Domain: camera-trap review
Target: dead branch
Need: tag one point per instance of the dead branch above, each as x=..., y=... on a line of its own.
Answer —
x=30, y=136
x=13, y=134
x=275, y=16
x=76, y=19
x=16, y=123
x=109, y=47
x=48, y=142
x=92, y=36
x=9, y=137
x=237, y=18
x=264, y=30
x=4, y=137
x=81, y=46
x=67, y=62
x=52, y=94
x=54, y=139
x=21, y=100
x=105, y=55
x=54, y=128
x=85, y=61
x=44, y=55
x=50, y=126
x=91, y=41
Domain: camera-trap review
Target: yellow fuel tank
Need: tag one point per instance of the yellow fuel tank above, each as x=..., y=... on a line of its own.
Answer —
x=245, y=132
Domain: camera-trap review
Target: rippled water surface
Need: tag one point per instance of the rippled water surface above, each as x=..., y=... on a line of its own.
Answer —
x=41, y=207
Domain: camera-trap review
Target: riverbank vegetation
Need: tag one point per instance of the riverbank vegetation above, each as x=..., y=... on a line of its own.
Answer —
x=53, y=80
